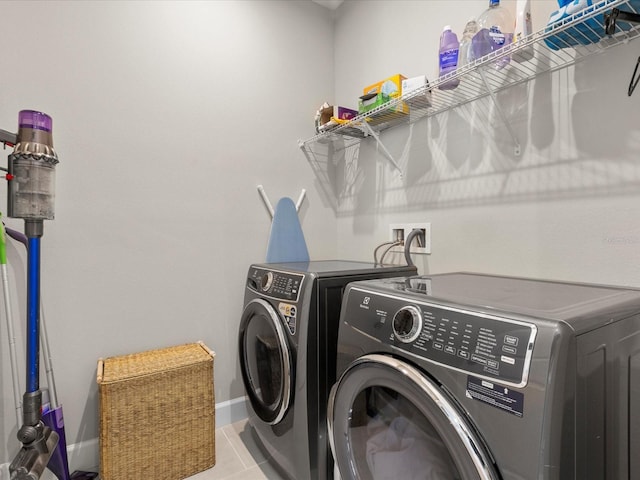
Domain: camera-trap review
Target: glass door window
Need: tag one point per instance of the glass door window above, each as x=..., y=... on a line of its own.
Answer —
x=390, y=421
x=265, y=361
x=392, y=439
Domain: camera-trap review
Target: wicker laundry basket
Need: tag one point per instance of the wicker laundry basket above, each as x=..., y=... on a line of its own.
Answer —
x=157, y=414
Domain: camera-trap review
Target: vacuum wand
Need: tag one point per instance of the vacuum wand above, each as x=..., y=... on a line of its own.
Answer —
x=30, y=197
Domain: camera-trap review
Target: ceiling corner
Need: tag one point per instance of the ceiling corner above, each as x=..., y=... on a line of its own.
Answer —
x=330, y=4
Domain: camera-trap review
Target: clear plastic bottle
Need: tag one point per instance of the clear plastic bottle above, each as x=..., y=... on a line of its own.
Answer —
x=466, y=54
x=449, y=49
x=495, y=30
x=523, y=29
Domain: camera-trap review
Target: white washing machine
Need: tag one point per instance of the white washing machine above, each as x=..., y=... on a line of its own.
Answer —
x=477, y=377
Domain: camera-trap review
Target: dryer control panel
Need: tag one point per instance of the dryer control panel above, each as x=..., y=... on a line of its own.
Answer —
x=275, y=284
x=484, y=345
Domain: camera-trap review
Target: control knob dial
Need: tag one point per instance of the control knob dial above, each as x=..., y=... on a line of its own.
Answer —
x=266, y=281
x=407, y=324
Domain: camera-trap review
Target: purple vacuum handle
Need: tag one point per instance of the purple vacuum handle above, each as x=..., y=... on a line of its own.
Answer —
x=18, y=236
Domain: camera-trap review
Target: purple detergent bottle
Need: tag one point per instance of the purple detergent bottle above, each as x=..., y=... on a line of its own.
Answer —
x=449, y=49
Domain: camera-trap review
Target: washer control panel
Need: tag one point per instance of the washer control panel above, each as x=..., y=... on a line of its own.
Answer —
x=484, y=345
x=275, y=284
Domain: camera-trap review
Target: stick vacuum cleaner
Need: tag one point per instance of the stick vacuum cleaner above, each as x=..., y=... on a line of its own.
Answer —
x=31, y=196
x=51, y=410
x=34, y=147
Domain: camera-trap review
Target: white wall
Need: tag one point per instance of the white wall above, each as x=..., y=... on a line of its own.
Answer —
x=166, y=117
x=568, y=208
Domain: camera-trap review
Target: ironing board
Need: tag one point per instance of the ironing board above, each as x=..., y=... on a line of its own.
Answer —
x=286, y=240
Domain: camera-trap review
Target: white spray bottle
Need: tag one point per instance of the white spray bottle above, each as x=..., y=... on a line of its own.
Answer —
x=523, y=28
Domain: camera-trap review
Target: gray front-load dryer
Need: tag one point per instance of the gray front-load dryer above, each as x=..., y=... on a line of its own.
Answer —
x=287, y=343
x=467, y=376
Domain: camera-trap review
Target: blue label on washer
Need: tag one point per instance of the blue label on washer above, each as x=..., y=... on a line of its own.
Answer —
x=496, y=395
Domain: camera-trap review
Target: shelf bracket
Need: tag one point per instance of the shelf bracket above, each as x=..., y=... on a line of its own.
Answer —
x=370, y=131
x=617, y=14
x=516, y=150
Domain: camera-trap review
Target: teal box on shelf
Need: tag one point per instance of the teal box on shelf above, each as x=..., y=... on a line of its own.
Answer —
x=584, y=32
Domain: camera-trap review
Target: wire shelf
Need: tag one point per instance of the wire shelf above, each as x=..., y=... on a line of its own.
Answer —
x=571, y=36
x=334, y=153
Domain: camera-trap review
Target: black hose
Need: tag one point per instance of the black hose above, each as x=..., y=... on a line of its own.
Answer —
x=384, y=254
x=375, y=252
x=407, y=245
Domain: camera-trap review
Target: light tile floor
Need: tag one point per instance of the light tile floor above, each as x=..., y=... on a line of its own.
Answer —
x=238, y=457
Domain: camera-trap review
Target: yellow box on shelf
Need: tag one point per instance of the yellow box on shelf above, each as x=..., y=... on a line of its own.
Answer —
x=382, y=92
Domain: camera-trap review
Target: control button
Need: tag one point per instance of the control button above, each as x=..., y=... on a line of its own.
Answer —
x=509, y=350
x=407, y=324
x=438, y=346
x=493, y=364
x=511, y=340
x=509, y=360
x=478, y=359
x=463, y=354
x=450, y=350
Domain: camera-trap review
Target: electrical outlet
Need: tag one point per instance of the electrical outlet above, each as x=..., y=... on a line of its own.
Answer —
x=420, y=244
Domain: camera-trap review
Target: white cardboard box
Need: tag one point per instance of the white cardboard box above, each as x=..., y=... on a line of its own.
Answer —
x=410, y=85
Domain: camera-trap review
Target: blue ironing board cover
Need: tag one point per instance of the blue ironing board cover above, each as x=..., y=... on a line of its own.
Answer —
x=286, y=240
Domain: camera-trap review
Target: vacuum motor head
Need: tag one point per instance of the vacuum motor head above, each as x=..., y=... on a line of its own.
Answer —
x=31, y=192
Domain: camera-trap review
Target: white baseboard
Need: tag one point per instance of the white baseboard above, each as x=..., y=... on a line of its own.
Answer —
x=81, y=456
x=85, y=455
x=231, y=411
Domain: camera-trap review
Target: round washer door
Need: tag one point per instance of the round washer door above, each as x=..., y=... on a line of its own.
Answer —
x=265, y=361
x=387, y=420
